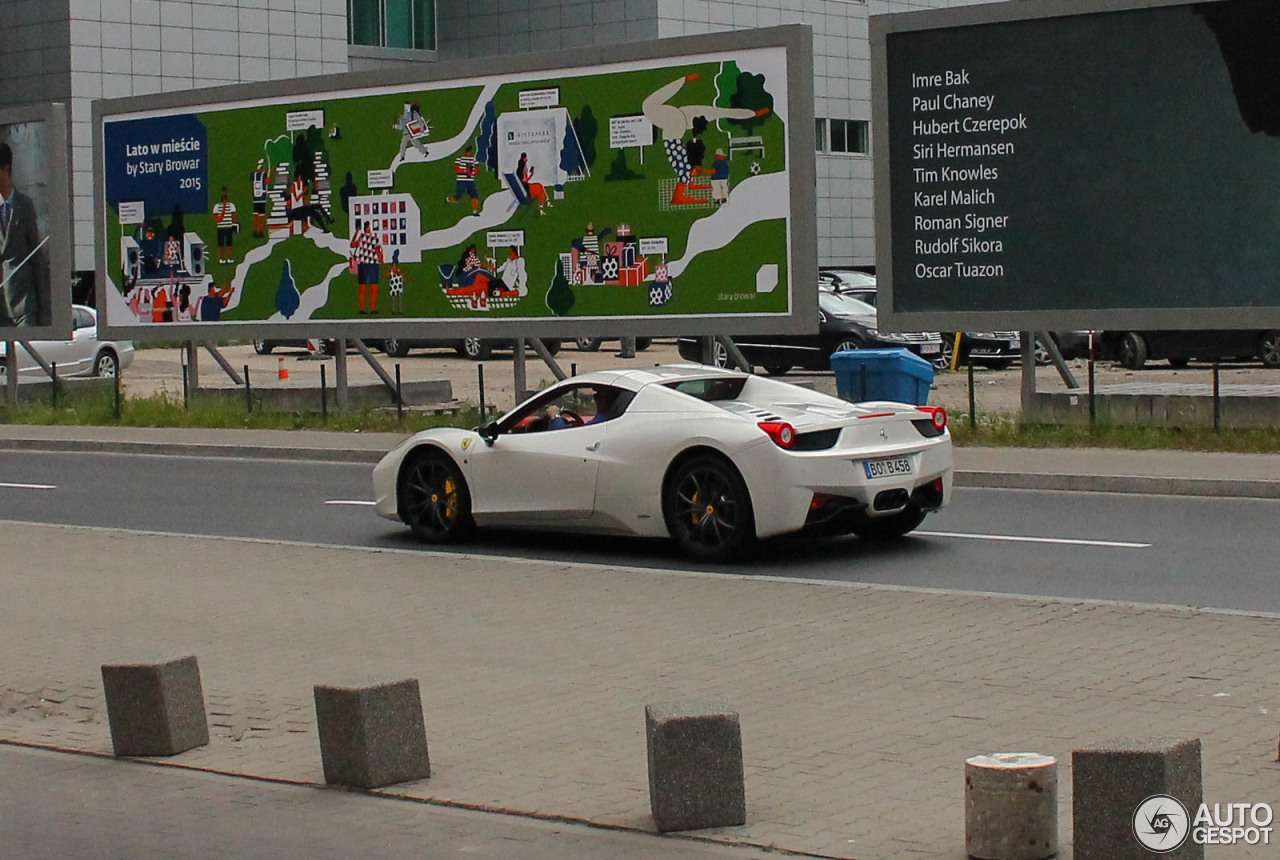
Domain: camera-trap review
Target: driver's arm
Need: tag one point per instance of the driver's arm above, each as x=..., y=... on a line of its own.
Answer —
x=554, y=420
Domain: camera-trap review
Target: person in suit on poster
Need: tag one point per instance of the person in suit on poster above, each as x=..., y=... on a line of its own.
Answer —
x=24, y=259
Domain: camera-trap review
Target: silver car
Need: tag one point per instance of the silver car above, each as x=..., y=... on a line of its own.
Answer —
x=83, y=355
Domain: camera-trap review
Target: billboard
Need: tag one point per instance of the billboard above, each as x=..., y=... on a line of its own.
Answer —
x=35, y=224
x=1079, y=165
x=477, y=198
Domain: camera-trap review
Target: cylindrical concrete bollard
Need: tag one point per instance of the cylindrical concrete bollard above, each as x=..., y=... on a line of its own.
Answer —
x=1011, y=806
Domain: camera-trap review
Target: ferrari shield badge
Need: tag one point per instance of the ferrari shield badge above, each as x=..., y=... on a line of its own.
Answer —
x=466, y=443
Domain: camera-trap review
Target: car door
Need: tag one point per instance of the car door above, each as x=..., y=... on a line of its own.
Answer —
x=537, y=477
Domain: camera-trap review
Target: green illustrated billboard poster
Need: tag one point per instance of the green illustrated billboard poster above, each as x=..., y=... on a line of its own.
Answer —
x=651, y=194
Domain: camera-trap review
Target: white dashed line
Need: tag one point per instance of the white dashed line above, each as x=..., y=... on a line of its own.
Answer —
x=1114, y=544
x=10, y=486
x=352, y=502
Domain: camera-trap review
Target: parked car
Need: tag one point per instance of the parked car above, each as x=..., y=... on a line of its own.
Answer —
x=711, y=458
x=83, y=355
x=996, y=350
x=474, y=348
x=1133, y=349
x=1071, y=344
x=591, y=344
x=843, y=323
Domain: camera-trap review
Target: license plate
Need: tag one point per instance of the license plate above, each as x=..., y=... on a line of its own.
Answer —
x=887, y=467
x=929, y=348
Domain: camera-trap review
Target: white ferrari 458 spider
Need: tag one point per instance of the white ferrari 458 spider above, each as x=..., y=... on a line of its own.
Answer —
x=712, y=458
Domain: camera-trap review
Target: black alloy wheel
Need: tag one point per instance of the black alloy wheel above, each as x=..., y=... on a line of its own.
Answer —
x=476, y=348
x=708, y=509
x=1133, y=351
x=588, y=344
x=1269, y=349
x=433, y=499
x=777, y=369
x=395, y=347
x=261, y=347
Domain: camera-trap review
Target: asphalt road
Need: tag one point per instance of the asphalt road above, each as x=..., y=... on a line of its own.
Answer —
x=1175, y=550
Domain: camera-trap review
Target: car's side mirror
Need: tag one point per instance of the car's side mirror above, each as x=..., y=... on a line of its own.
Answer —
x=489, y=432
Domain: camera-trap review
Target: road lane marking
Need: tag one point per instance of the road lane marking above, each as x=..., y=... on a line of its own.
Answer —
x=1114, y=544
x=355, y=502
x=11, y=486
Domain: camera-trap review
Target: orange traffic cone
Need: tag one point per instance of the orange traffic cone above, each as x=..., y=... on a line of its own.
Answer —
x=283, y=372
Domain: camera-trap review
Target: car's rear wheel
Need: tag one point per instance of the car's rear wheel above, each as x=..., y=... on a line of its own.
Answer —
x=433, y=499
x=395, y=347
x=552, y=345
x=643, y=343
x=1269, y=349
x=261, y=347
x=1179, y=363
x=588, y=344
x=106, y=364
x=476, y=348
x=890, y=527
x=708, y=510
x=1041, y=352
x=849, y=343
x=1133, y=351
x=777, y=369
x=720, y=354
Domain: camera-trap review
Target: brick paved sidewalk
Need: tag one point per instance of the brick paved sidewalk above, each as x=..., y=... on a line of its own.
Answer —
x=859, y=704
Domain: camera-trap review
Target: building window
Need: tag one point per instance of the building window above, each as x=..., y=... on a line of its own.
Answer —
x=392, y=23
x=843, y=135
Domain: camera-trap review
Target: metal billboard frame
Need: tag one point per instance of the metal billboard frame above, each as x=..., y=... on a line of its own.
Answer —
x=800, y=166
x=881, y=27
x=57, y=174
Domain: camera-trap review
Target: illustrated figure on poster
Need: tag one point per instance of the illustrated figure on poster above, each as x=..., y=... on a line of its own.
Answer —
x=673, y=121
x=141, y=303
x=184, y=309
x=465, y=169
x=661, y=288
x=224, y=215
x=259, y=182
x=24, y=261
x=212, y=303
x=513, y=273
x=720, y=179
x=536, y=191
x=366, y=252
x=413, y=130
x=297, y=200
x=172, y=258
x=161, y=304
x=522, y=168
x=152, y=249
x=395, y=285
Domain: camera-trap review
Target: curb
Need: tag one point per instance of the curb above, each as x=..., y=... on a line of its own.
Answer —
x=972, y=479
x=1143, y=485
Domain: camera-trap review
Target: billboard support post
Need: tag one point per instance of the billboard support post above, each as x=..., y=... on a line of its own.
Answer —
x=520, y=380
x=340, y=374
x=193, y=365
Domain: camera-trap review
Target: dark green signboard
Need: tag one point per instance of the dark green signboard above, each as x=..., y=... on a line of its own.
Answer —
x=1080, y=165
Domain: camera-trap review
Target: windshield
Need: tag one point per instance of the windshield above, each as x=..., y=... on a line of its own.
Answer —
x=845, y=306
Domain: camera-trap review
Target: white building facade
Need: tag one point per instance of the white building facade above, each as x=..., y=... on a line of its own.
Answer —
x=80, y=50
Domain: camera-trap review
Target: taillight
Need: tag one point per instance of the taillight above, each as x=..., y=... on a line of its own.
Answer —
x=782, y=433
x=937, y=416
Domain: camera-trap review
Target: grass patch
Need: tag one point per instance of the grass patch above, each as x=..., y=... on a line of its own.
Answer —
x=1007, y=431
x=164, y=410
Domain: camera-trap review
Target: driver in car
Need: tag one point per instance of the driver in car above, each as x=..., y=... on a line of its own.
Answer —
x=604, y=400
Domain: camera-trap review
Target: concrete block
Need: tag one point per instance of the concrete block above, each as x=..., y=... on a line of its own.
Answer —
x=372, y=736
x=1011, y=806
x=696, y=777
x=1112, y=780
x=155, y=709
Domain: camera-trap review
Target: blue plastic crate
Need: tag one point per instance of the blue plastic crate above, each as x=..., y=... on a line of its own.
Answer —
x=882, y=374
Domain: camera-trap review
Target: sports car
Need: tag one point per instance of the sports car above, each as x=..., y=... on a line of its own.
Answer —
x=713, y=458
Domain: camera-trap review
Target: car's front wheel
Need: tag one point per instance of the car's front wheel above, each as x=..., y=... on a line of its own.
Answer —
x=720, y=354
x=889, y=527
x=395, y=348
x=106, y=364
x=433, y=499
x=476, y=348
x=261, y=347
x=1269, y=349
x=588, y=344
x=1133, y=351
x=707, y=507
x=1041, y=352
x=777, y=369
